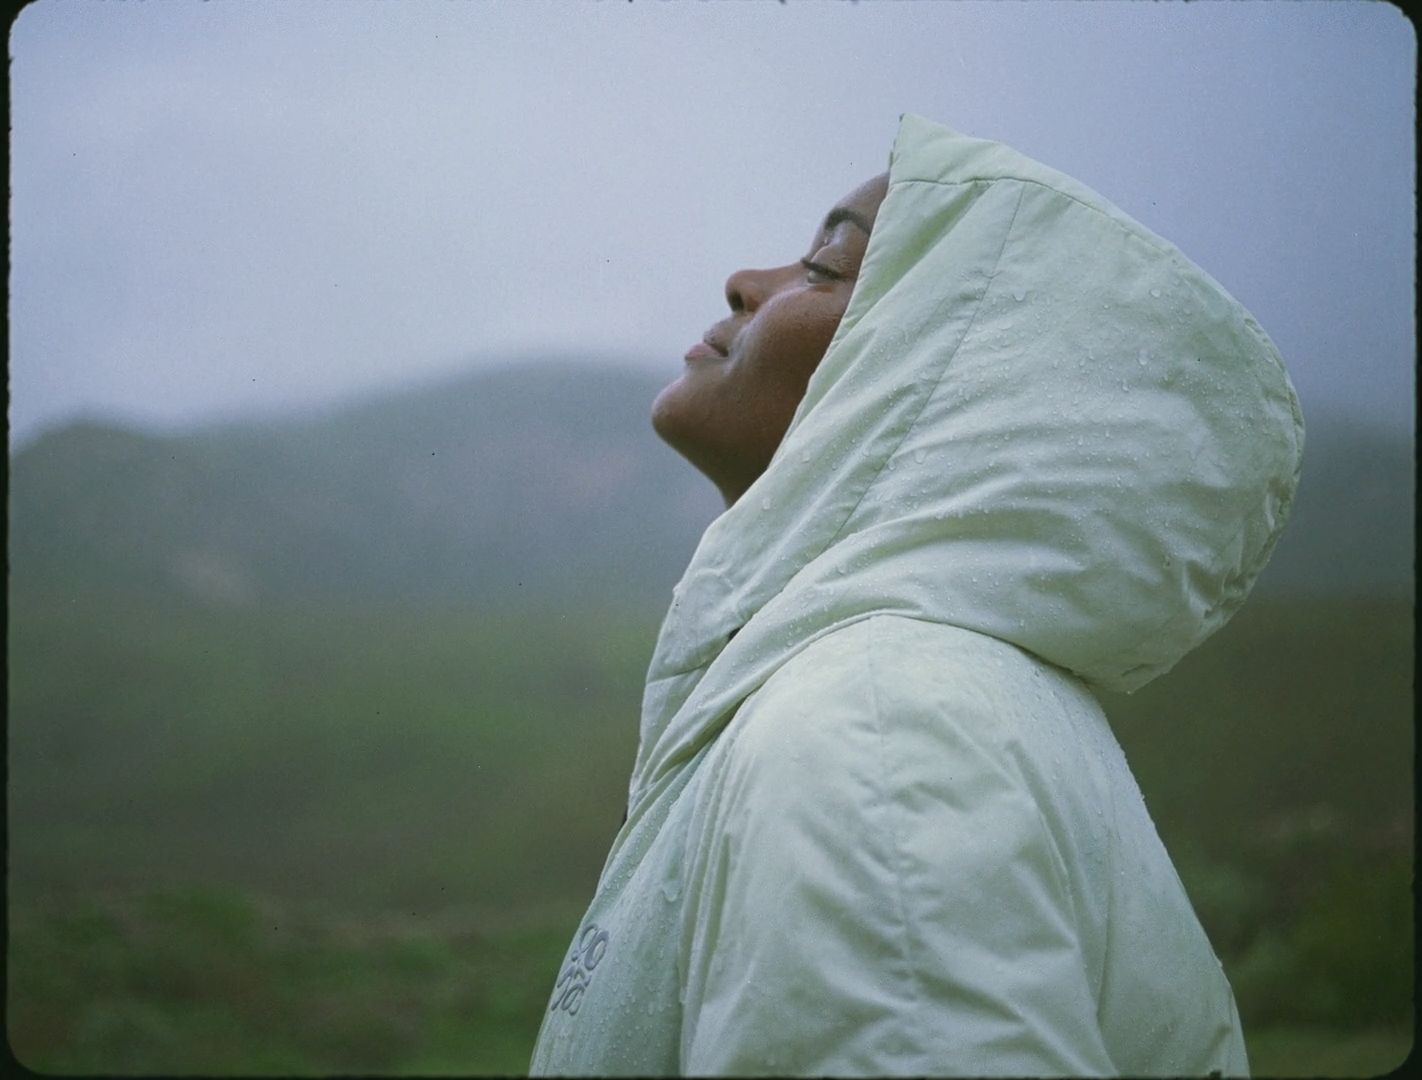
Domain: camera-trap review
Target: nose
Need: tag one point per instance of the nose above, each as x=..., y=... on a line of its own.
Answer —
x=746, y=290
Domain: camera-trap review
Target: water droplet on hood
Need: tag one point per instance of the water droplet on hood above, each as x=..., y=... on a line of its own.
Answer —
x=1019, y=296
x=919, y=455
x=1155, y=293
x=765, y=504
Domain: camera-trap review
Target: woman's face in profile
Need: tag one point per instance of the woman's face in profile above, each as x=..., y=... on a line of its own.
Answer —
x=731, y=406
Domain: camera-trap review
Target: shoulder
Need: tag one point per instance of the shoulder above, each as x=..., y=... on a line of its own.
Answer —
x=895, y=650
x=893, y=728
x=894, y=675
x=885, y=710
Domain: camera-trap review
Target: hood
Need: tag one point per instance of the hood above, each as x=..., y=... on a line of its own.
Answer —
x=1037, y=420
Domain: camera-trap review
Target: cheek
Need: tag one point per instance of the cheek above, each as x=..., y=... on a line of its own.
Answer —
x=787, y=345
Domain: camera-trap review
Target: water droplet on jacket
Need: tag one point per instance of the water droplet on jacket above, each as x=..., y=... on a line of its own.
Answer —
x=919, y=455
x=1019, y=296
x=1125, y=387
x=805, y=456
x=1155, y=293
x=1142, y=357
x=765, y=504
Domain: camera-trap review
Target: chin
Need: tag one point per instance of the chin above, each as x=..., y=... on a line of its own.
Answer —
x=681, y=413
x=664, y=412
x=681, y=426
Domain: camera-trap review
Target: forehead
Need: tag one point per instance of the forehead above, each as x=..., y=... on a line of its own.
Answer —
x=868, y=195
x=860, y=206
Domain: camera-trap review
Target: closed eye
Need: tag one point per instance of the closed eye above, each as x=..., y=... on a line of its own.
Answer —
x=812, y=268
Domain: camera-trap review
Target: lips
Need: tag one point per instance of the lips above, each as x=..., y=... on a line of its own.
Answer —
x=708, y=348
x=702, y=351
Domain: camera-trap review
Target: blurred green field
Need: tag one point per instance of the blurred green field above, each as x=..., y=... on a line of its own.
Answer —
x=304, y=841
x=374, y=758
x=215, y=983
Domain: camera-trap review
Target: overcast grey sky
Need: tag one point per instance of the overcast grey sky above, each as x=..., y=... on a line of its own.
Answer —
x=232, y=206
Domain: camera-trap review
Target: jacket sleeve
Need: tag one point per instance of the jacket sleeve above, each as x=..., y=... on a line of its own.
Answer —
x=874, y=890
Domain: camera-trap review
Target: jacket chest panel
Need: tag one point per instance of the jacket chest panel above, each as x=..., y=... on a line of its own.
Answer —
x=616, y=1004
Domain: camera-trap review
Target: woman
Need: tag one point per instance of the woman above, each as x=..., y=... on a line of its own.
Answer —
x=1007, y=448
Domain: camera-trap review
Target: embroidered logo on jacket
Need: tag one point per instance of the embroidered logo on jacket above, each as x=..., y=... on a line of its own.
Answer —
x=568, y=993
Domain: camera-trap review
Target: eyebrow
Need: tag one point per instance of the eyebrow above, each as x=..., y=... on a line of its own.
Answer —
x=843, y=213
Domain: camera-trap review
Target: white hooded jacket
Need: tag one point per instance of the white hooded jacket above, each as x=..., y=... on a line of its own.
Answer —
x=878, y=823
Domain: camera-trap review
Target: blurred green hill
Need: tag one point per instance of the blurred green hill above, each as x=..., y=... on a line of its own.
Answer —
x=319, y=731
x=528, y=484
x=525, y=485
